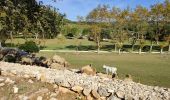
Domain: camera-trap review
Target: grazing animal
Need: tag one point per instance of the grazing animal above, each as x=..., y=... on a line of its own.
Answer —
x=108, y=69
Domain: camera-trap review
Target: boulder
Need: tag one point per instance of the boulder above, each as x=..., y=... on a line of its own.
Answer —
x=88, y=70
x=95, y=94
x=60, y=60
x=77, y=89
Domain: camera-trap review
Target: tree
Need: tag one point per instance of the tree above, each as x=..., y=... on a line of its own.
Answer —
x=139, y=21
x=156, y=14
x=96, y=33
x=29, y=18
x=120, y=27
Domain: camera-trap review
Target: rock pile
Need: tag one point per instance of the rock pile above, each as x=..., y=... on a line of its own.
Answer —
x=15, y=55
x=91, y=86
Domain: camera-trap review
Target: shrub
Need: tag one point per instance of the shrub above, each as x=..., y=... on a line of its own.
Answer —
x=29, y=46
x=9, y=58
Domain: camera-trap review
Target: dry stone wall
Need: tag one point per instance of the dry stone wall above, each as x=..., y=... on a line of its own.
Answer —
x=97, y=86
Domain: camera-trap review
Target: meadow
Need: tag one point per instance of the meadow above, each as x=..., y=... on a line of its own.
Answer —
x=85, y=45
x=150, y=69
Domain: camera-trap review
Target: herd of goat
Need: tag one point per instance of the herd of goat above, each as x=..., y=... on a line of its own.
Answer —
x=15, y=55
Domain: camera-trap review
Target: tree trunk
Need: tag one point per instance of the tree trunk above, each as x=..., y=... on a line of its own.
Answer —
x=0, y=45
x=157, y=42
x=36, y=36
x=133, y=47
x=140, y=50
x=11, y=37
x=169, y=48
x=119, y=51
x=115, y=48
x=151, y=46
x=98, y=47
x=161, y=51
x=43, y=40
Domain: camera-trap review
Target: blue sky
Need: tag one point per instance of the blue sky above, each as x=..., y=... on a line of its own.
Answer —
x=74, y=8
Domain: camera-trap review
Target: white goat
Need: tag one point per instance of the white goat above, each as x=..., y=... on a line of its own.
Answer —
x=108, y=69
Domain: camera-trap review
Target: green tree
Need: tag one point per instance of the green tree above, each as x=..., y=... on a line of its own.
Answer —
x=96, y=33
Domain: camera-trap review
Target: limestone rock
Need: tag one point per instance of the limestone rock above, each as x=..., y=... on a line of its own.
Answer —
x=14, y=72
x=113, y=97
x=26, y=76
x=43, y=77
x=129, y=97
x=21, y=97
x=0, y=68
x=53, y=99
x=61, y=81
x=89, y=97
x=86, y=91
x=77, y=89
x=54, y=94
x=120, y=94
x=30, y=81
x=103, y=98
x=8, y=80
x=56, y=66
x=39, y=98
x=60, y=60
x=2, y=79
x=2, y=84
x=95, y=94
x=64, y=90
x=88, y=70
x=103, y=92
x=15, y=89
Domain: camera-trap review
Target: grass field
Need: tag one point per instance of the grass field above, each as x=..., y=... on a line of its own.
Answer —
x=150, y=69
x=84, y=45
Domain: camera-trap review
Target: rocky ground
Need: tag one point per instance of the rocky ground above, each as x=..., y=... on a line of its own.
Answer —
x=24, y=82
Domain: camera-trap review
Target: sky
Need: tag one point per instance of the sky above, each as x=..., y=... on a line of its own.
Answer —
x=74, y=8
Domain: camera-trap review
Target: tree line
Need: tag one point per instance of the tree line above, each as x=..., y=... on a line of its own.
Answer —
x=133, y=25
x=32, y=19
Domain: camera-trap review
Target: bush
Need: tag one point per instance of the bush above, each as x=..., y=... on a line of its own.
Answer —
x=9, y=58
x=29, y=46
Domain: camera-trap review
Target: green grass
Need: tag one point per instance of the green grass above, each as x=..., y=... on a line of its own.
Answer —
x=83, y=44
x=150, y=69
